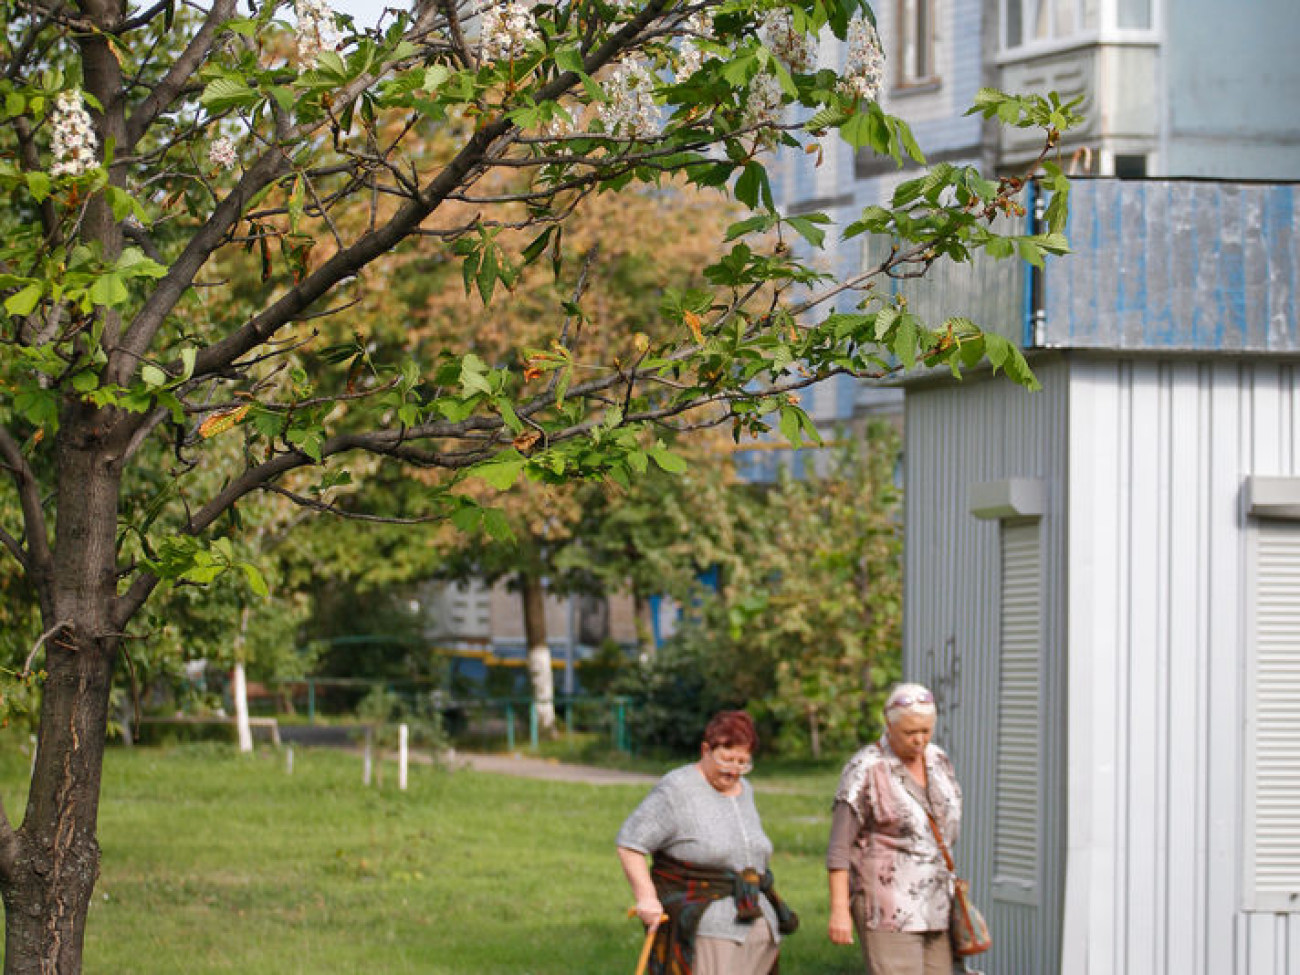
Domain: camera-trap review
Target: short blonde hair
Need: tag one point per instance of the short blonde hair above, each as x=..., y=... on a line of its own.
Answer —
x=909, y=699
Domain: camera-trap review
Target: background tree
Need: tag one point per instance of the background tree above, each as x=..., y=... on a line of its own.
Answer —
x=805, y=628
x=147, y=152
x=616, y=258
x=657, y=535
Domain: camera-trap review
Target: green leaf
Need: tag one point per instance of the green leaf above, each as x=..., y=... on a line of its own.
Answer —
x=792, y=424
x=509, y=415
x=256, y=581
x=569, y=59
x=108, y=290
x=751, y=184
x=153, y=376
x=225, y=92
x=24, y=302
x=667, y=460
x=806, y=226
x=497, y=525
x=501, y=471
x=38, y=184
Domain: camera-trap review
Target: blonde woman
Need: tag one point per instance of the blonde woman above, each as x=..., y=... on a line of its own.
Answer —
x=888, y=879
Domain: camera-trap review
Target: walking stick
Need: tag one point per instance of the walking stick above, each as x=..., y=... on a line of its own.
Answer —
x=649, y=942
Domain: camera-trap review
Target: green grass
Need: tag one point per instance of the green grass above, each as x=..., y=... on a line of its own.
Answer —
x=214, y=863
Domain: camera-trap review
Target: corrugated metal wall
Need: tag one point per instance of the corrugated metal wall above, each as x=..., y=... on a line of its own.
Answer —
x=1177, y=264
x=1158, y=642
x=956, y=435
x=1145, y=541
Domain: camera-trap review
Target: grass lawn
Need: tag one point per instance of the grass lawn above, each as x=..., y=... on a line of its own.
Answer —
x=217, y=863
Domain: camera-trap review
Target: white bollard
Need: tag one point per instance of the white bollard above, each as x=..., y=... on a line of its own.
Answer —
x=288, y=759
x=403, y=734
x=369, y=759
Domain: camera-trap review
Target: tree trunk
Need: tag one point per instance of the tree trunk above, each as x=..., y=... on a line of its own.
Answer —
x=48, y=885
x=48, y=867
x=645, y=625
x=814, y=733
x=239, y=687
x=539, y=652
x=239, y=695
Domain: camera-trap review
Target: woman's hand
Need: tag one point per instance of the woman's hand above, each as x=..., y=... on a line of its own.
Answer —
x=650, y=911
x=841, y=927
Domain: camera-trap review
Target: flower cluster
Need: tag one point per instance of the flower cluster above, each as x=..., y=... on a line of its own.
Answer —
x=630, y=109
x=764, y=104
x=797, y=50
x=559, y=127
x=699, y=26
x=864, y=71
x=222, y=152
x=74, y=142
x=317, y=30
x=506, y=31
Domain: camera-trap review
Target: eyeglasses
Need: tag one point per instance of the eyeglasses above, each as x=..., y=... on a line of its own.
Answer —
x=907, y=700
x=739, y=766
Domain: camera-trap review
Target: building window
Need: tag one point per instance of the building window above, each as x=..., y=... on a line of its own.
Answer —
x=1015, y=832
x=916, y=42
x=1026, y=22
x=1134, y=14
x=1272, y=881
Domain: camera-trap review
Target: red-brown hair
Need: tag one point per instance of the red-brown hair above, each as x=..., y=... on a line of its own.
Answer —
x=731, y=729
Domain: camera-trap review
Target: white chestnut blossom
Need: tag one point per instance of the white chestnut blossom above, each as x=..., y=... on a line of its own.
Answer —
x=318, y=31
x=74, y=141
x=864, y=70
x=505, y=31
x=559, y=127
x=765, y=103
x=631, y=109
x=222, y=152
x=797, y=50
x=690, y=57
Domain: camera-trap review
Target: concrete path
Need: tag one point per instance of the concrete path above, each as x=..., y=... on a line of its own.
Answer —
x=540, y=768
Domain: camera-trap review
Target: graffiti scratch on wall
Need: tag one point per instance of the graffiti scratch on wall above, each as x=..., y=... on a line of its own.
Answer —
x=941, y=672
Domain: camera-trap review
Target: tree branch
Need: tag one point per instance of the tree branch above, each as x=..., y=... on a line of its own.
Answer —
x=29, y=496
x=406, y=221
x=179, y=74
x=10, y=846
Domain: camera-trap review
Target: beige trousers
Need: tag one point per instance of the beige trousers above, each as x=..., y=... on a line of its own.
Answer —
x=722, y=956
x=901, y=952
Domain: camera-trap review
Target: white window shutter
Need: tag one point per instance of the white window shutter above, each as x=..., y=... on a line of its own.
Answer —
x=1015, y=838
x=1274, y=713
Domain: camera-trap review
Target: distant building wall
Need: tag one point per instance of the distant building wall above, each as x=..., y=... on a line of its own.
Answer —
x=1232, y=83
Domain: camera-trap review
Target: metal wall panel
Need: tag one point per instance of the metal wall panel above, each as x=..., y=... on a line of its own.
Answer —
x=1177, y=265
x=1157, y=638
x=1145, y=611
x=987, y=430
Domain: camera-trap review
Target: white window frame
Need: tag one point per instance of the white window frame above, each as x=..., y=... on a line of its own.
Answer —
x=1105, y=31
x=916, y=33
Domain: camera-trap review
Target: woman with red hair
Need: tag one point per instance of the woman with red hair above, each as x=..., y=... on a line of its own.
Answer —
x=708, y=896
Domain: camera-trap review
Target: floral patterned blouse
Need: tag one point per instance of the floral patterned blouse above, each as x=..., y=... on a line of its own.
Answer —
x=880, y=834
